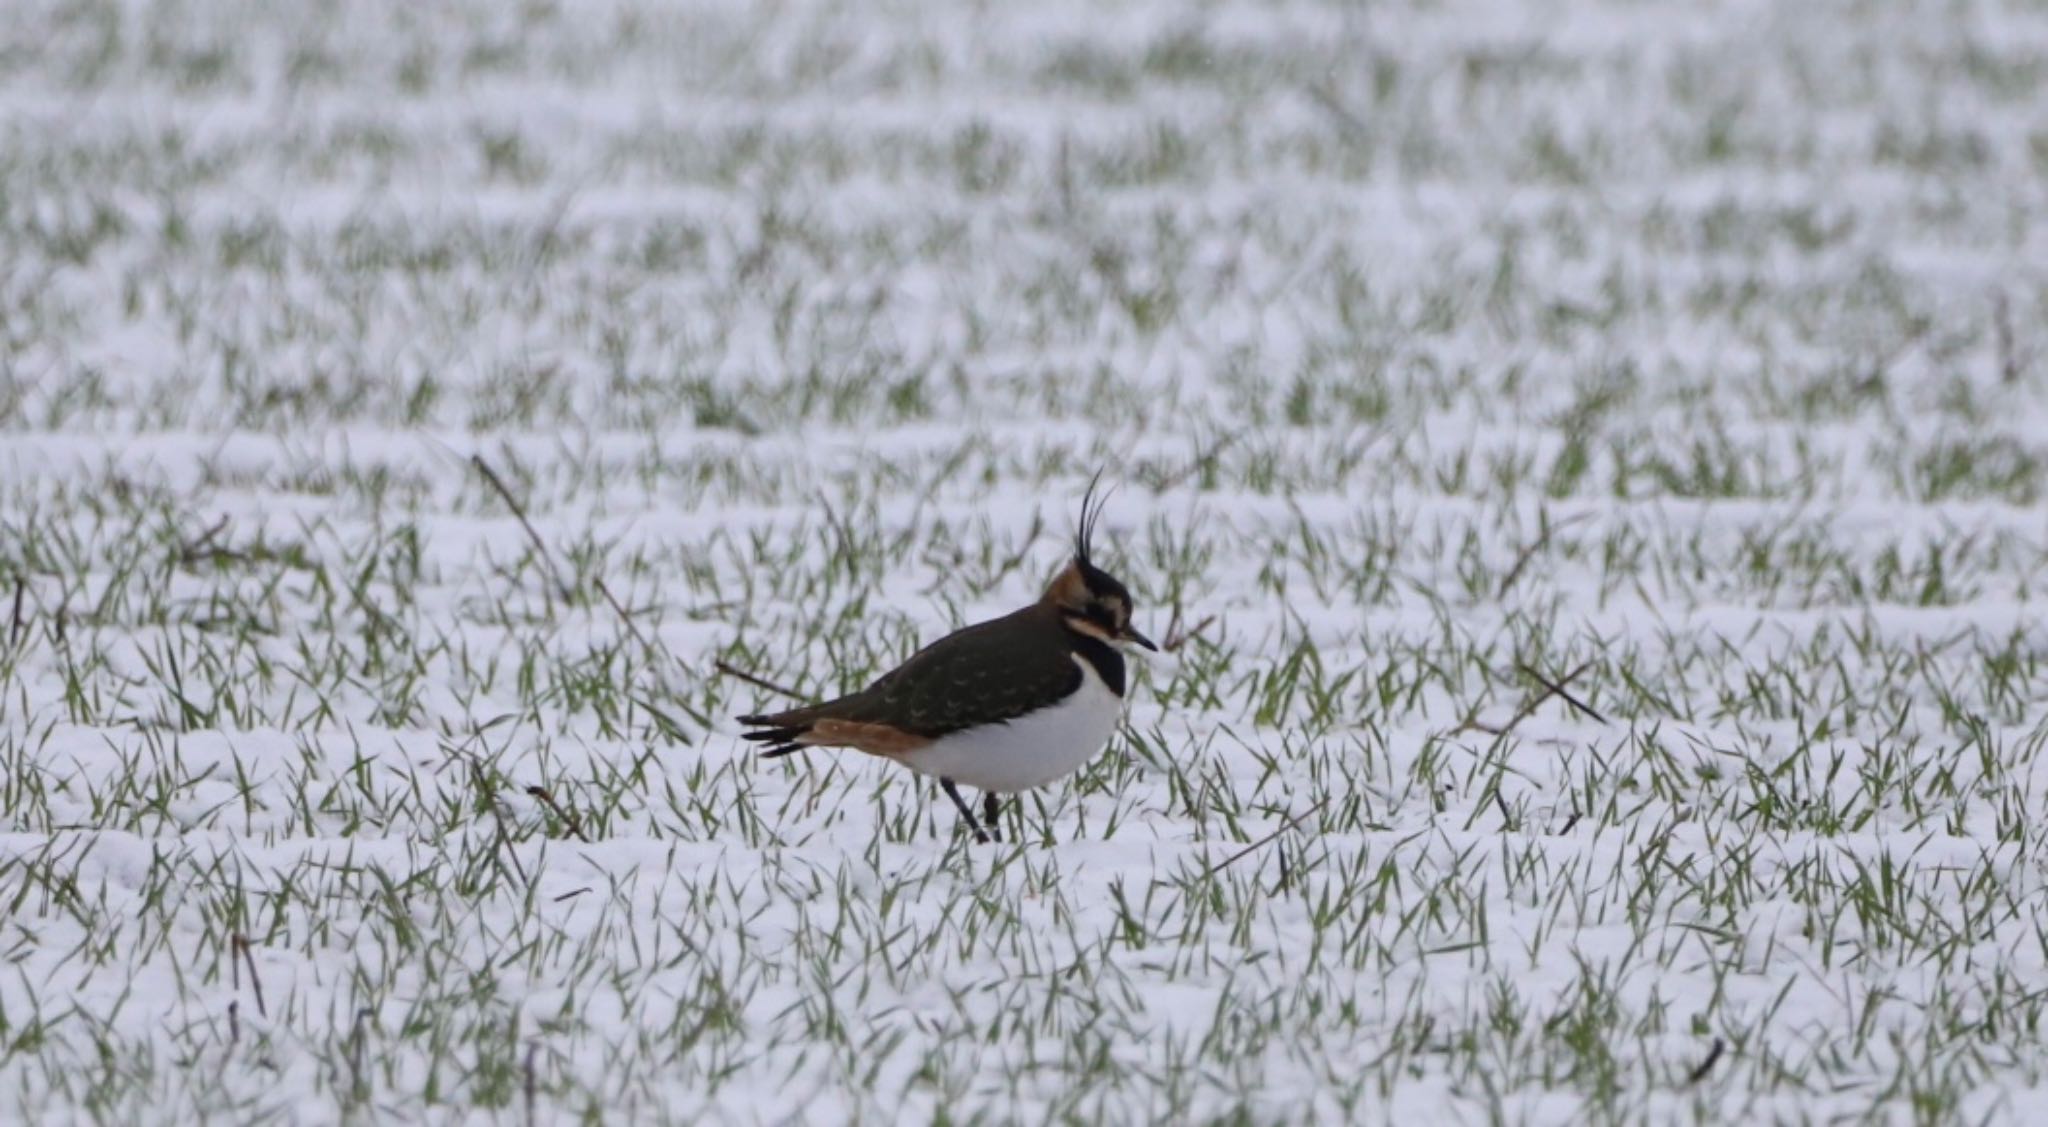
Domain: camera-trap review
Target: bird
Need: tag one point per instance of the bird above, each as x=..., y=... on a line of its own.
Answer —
x=1003, y=706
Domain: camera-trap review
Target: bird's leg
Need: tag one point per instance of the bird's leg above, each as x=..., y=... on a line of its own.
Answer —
x=992, y=813
x=966, y=811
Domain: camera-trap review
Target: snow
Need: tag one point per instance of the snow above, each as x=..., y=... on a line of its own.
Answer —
x=1689, y=359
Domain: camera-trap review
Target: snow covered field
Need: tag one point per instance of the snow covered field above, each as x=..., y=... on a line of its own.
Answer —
x=405, y=409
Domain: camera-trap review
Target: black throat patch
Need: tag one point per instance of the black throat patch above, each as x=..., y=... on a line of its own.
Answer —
x=1107, y=659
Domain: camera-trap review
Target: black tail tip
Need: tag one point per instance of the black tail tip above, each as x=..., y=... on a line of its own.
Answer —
x=781, y=739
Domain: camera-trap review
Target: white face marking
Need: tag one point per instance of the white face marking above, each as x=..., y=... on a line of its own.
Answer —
x=1090, y=627
x=1031, y=750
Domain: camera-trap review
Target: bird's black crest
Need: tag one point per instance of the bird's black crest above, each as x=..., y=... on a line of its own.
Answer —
x=1091, y=511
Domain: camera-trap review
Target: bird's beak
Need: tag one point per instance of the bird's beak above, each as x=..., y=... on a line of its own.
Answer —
x=1130, y=634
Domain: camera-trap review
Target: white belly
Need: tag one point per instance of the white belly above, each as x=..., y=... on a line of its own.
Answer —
x=1033, y=749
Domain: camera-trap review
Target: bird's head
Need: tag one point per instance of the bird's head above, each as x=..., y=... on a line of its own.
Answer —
x=1089, y=599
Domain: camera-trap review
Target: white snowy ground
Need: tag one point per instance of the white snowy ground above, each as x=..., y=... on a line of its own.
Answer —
x=1692, y=352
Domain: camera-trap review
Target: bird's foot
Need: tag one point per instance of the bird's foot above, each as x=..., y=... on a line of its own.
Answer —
x=992, y=814
x=966, y=812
